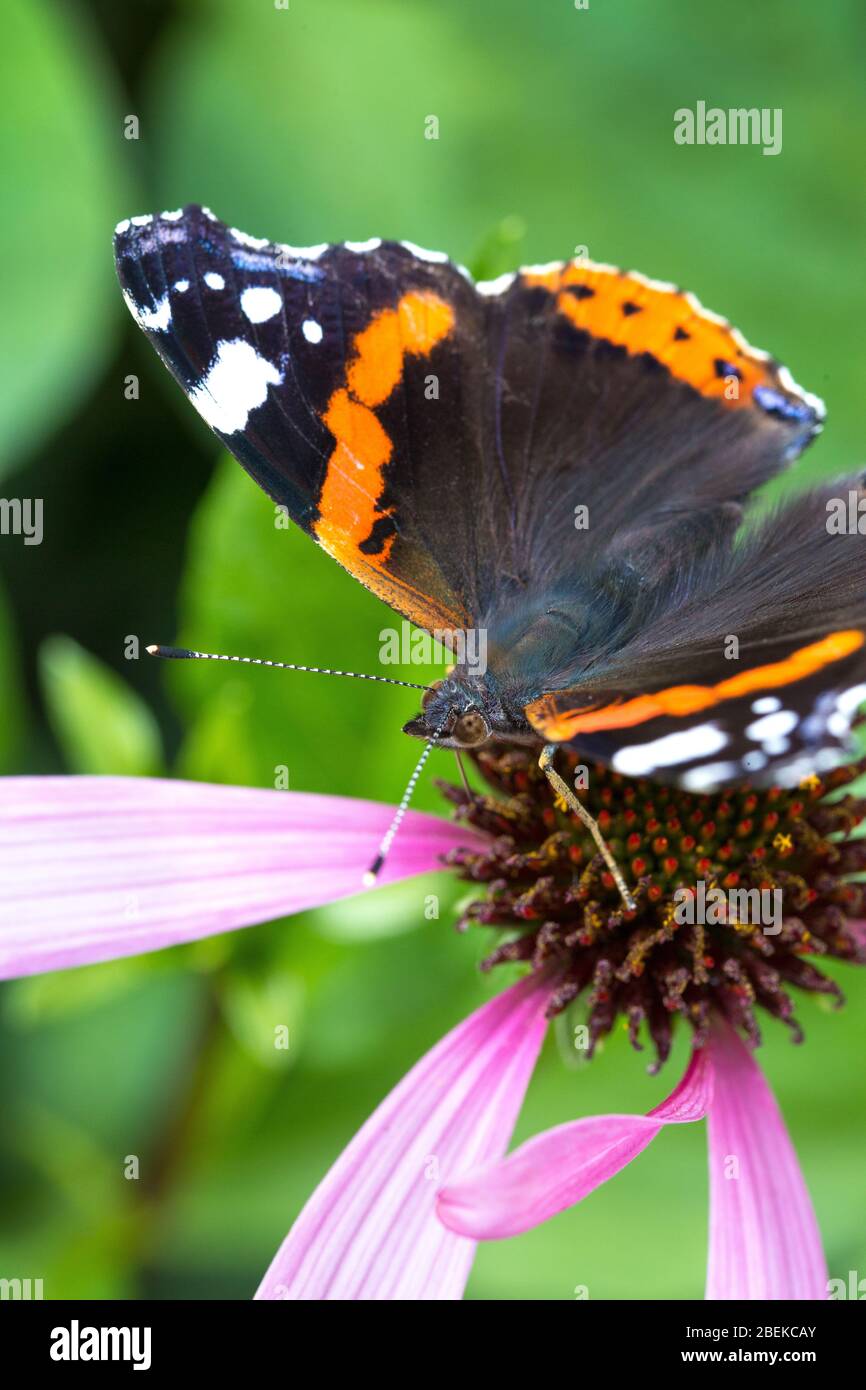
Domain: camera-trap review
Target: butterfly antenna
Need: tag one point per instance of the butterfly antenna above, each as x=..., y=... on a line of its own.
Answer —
x=185, y=654
x=388, y=838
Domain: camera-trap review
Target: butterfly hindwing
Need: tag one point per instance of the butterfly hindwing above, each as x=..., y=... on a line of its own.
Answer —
x=755, y=670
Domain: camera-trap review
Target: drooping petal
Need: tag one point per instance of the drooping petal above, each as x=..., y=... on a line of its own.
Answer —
x=370, y=1229
x=764, y=1239
x=97, y=867
x=554, y=1170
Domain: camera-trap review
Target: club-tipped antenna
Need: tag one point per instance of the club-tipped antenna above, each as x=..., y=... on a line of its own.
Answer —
x=186, y=654
x=388, y=838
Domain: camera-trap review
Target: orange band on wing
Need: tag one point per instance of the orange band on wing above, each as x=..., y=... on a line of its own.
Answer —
x=349, y=503
x=681, y=700
x=420, y=320
x=695, y=345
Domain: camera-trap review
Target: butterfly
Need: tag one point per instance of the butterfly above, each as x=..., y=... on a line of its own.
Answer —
x=560, y=459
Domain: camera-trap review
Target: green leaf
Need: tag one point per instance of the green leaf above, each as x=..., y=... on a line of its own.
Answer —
x=63, y=157
x=264, y=1012
x=100, y=723
x=36, y=1000
x=217, y=747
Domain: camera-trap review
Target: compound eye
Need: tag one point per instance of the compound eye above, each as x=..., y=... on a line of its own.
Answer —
x=470, y=729
x=430, y=692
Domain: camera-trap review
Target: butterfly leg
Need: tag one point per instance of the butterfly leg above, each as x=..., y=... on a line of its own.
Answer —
x=561, y=787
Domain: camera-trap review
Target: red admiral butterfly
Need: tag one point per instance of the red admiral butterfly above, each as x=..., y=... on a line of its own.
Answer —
x=559, y=458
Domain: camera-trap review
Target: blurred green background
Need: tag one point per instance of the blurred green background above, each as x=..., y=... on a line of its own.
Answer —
x=307, y=124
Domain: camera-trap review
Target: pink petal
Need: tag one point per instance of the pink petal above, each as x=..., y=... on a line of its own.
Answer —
x=370, y=1230
x=764, y=1240
x=97, y=867
x=558, y=1168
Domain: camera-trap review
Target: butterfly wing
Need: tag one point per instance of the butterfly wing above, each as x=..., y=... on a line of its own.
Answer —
x=756, y=669
x=326, y=371
x=445, y=442
x=616, y=407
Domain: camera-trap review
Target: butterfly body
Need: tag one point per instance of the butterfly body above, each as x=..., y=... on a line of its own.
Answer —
x=559, y=461
x=543, y=634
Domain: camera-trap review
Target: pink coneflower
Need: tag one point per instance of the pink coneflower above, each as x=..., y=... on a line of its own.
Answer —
x=107, y=867
x=429, y=1156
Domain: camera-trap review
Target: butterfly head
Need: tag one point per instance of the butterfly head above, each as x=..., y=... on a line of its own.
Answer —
x=458, y=713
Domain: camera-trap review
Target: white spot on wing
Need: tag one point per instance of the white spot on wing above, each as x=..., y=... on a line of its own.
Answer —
x=301, y=253
x=258, y=243
x=214, y=280
x=312, y=331
x=159, y=317
x=497, y=286
x=776, y=747
x=359, y=247
x=181, y=286
x=753, y=762
x=704, y=779
x=768, y=704
x=820, y=761
x=260, y=303
x=681, y=747
x=773, y=725
x=236, y=383
x=422, y=254
x=172, y=216
x=851, y=700
x=143, y=221
x=122, y=227
x=847, y=704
